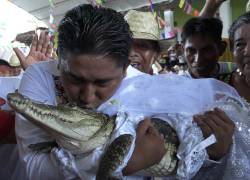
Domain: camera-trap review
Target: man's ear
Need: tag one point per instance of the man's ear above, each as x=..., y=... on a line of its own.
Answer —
x=223, y=46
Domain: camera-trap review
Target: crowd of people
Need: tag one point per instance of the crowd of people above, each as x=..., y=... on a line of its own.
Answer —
x=99, y=50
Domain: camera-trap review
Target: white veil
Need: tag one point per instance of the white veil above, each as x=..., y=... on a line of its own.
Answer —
x=179, y=98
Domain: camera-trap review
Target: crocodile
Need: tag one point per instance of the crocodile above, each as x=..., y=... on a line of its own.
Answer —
x=82, y=130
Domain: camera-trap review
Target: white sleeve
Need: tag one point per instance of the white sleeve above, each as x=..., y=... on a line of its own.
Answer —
x=37, y=85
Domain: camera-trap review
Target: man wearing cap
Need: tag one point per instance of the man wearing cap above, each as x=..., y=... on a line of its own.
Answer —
x=10, y=77
x=12, y=63
x=147, y=45
x=9, y=64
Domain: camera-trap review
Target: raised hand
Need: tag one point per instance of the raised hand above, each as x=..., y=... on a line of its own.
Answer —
x=40, y=50
x=211, y=7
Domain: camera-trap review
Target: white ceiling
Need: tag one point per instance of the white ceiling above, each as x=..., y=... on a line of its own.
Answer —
x=41, y=8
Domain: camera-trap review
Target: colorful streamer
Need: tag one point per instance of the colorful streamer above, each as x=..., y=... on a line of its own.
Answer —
x=181, y=4
x=189, y=9
x=52, y=25
x=187, y=4
x=151, y=7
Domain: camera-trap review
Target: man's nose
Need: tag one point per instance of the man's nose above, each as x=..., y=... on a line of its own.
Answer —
x=133, y=53
x=87, y=94
x=197, y=58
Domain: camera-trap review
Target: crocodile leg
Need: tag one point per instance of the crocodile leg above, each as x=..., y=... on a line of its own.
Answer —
x=114, y=156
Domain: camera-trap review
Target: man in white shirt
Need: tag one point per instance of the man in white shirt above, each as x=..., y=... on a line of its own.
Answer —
x=93, y=50
x=202, y=48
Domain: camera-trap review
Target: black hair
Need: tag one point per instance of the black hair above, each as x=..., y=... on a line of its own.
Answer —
x=242, y=20
x=205, y=27
x=96, y=31
x=3, y=62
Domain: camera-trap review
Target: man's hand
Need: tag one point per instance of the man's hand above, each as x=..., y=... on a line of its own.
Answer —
x=40, y=50
x=210, y=8
x=149, y=148
x=218, y=123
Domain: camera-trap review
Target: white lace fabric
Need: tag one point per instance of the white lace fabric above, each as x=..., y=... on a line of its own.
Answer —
x=236, y=164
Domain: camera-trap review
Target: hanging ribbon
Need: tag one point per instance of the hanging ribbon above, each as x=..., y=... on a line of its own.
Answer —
x=187, y=4
x=151, y=7
x=52, y=26
x=181, y=4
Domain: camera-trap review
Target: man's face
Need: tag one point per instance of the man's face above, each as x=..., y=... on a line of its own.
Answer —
x=6, y=71
x=241, y=50
x=202, y=55
x=90, y=80
x=142, y=55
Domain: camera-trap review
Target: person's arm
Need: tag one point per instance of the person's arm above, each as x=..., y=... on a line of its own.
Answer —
x=40, y=50
x=36, y=85
x=218, y=123
x=149, y=148
x=210, y=8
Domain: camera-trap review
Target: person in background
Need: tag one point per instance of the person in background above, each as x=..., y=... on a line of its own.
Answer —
x=10, y=77
x=147, y=46
x=209, y=10
x=240, y=43
x=11, y=68
x=11, y=72
x=238, y=37
x=9, y=63
x=203, y=46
